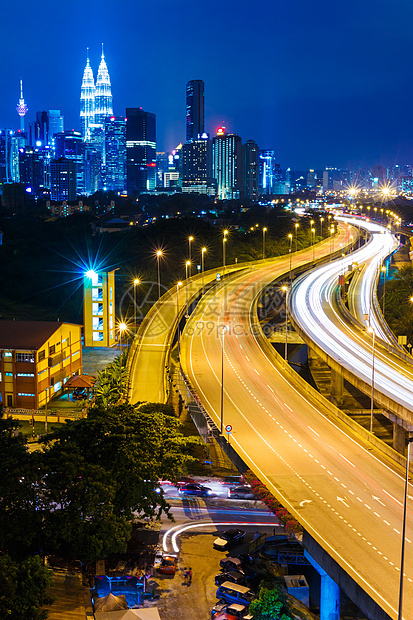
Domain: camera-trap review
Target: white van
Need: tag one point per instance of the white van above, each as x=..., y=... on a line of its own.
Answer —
x=234, y=593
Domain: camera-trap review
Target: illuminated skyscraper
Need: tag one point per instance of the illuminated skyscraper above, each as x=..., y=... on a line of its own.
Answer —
x=103, y=93
x=251, y=169
x=194, y=109
x=87, y=100
x=227, y=164
x=115, y=150
x=140, y=150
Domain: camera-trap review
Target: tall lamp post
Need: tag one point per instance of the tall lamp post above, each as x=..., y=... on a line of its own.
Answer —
x=296, y=228
x=264, y=230
x=159, y=254
x=135, y=284
x=121, y=328
x=321, y=227
x=187, y=266
x=383, y=270
x=290, y=251
x=178, y=284
x=224, y=329
x=224, y=240
x=406, y=485
x=190, y=240
x=371, y=330
x=285, y=290
x=203, y=252
x=313, y=242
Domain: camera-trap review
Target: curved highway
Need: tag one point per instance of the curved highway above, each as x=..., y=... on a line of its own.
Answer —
x=344, y=496
x=314, y=312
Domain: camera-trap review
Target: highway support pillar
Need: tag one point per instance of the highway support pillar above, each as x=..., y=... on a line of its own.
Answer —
x=336, y=389
x=399, y=438
x=329, y=595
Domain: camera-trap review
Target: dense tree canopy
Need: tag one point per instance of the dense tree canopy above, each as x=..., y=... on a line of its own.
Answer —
x=398, y=307
x=270, y=604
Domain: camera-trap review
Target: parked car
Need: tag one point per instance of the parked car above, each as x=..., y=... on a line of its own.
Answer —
x=232, y=611
x=229, y=538
x=234, y=593
x=168, y=565
x=195, y=489
x=231, y=564
x=232, y=576
x=241, y=493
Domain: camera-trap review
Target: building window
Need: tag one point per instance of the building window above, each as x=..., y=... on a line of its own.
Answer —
x=8, y=354
x=97, y=336
x=25, y=394
x=41, y=355
x=25, y=374
x=8, y=374
x=25, y=357
x=52, y=349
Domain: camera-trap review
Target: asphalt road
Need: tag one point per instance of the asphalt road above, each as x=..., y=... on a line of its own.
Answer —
x=341, y=493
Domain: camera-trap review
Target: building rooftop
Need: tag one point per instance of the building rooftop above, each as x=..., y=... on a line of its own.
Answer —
x=29, y=335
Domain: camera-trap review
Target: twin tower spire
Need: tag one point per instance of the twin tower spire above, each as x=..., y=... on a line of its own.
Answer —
x=95, y=100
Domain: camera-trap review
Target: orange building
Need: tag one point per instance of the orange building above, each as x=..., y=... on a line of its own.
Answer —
x=36, y=360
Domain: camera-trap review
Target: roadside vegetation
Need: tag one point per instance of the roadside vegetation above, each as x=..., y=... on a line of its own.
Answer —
x=399, y=303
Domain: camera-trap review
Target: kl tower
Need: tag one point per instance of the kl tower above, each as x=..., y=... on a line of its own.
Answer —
x=21, y=108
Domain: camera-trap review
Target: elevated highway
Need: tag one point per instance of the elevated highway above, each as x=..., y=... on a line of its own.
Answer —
x=345, y=495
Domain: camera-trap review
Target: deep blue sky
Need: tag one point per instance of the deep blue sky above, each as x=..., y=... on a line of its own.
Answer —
x=320, y=81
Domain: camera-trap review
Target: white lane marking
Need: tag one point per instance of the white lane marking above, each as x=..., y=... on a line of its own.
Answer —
x=396, y=500
x=311, y=429
x=349, y=462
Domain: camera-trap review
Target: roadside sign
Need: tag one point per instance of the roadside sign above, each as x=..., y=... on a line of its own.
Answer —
x=218, y=277
x=228, y=428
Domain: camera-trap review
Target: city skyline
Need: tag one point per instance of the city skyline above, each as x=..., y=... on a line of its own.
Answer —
x=318, y=85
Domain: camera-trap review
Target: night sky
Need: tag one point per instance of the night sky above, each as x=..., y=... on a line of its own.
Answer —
x=322, y=82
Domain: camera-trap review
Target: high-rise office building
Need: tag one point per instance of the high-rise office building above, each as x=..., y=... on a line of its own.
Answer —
x=69, y=145
x=87, y=100
x=251, y=170
x=227, y=164
x=194, y=109
x=115, y=149
x=140, y=150
x=267, y=172
x=103, y=93
x=197, y=166
x=46, y=125
x=5, y=156
x=63, y=179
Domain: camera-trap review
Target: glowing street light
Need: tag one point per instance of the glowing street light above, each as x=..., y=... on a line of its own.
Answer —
x=190, y=240
x=285, y=290
x=383, y=270
x=135, y=284
x=187, y=266
x=264, y=230
x=159, y=255
x=406, y=486
x=290, y=251
x=224, y=329
x=313, y=242
x=122, y=327
x=296, y=228
x=203, y=252
x=178, y=284
x=371, y=331
x=224, y=241
x=321, y=227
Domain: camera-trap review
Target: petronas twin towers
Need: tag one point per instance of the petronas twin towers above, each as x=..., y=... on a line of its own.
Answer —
x=95, y=99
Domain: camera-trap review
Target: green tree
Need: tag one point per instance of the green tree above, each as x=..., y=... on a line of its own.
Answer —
x=18, y=492
x=398, y=307
x=23, y=588
x=112, y=385
x=103, y=471
x=270, y=604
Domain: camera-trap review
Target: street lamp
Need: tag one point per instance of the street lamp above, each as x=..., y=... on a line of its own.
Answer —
x=187, y=266
x=406, y=485
x=203, y=252
x=331, y=241
x=290, y=250
x=178, y=284
x=313, y=242
x=264, y=230
x=224, y=240
x=296, y=227
x=383, y=270
x=285, y=290
x=321, y=227
x=159, y=254
x=135, y=284
x=224, y=329
x=121, y=327
x=190, y=239
x=371, y=330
